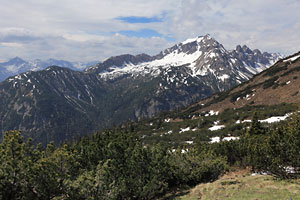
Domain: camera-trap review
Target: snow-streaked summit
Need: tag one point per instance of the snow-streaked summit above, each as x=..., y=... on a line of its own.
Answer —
x=197, y=39
x=202, y=57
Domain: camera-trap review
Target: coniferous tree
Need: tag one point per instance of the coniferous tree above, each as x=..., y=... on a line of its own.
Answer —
x=257, y=147
x=13, y=166
x=256, y=127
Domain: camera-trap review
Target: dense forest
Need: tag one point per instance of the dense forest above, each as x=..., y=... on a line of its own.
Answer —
x=117, y=164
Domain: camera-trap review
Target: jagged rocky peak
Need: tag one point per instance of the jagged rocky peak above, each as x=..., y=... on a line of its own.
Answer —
x=254, y=57
x=190, y=46
x=239, y=51
x=256, y=52
x=247, y=50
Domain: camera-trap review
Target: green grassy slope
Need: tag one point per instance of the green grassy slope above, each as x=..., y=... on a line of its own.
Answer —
x=244, y=186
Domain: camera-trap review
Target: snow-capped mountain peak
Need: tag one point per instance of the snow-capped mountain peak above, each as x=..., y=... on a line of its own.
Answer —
x=200, y=57
x=192, y=40
x=190, y=46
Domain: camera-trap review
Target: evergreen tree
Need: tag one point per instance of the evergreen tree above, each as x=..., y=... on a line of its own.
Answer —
x=14, y=167
x=256, y=127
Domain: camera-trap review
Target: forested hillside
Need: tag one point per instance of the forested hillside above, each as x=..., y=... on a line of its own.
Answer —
x=118, y=165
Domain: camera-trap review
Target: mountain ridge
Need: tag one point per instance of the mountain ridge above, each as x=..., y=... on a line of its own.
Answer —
x=59, y=104
x=193, y=53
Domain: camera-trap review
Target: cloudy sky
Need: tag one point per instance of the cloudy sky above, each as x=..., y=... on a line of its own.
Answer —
x=86, y=30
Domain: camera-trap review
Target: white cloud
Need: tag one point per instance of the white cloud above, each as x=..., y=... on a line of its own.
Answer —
x=85, y=30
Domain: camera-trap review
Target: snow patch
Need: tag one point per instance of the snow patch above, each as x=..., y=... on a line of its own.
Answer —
x=214, y=139
x=212, y=55
x=216, y=127
x=182, y=130
x=275, y=119
x=189, y=142
x=223, y=77
x=211, y=113
x=167, y=120
x=197, y=39
x=270, y=119
x=216, y=122
x=184, y=150
x=292, y=58
x=218, y=139
x=229, y=138
x=259, y=173
x=18, y=77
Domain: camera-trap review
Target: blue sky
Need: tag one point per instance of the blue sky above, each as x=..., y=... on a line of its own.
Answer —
x=88, y=30
x=144, y=33
x=136, y=19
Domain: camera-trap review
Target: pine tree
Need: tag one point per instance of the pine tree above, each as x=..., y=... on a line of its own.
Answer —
x=256, y=127
x=17, y=159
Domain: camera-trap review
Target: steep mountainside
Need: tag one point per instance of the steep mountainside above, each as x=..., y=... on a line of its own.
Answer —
x=276, y=85
x=49, y=101
x=58, y=103
x=273, y=94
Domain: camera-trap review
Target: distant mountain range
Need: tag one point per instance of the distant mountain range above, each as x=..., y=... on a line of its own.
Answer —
x=17, y=65
x=58, y=103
